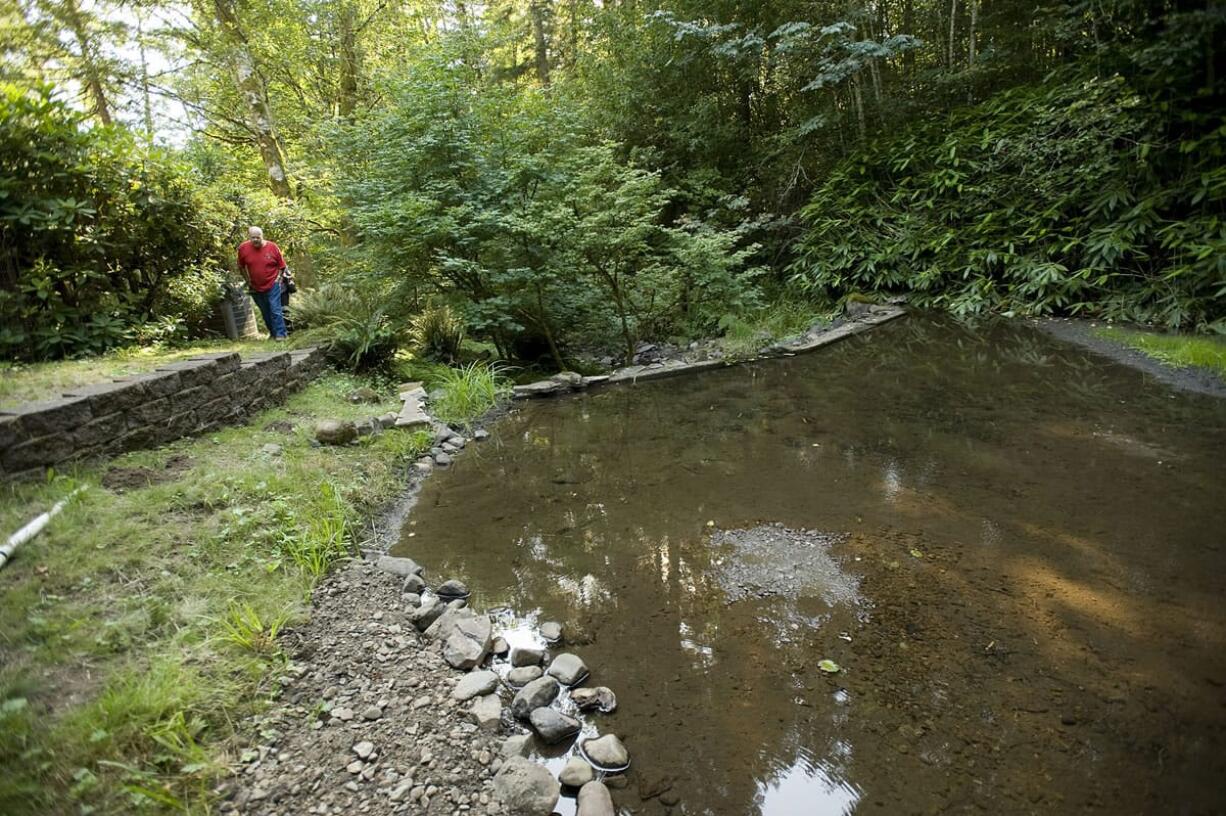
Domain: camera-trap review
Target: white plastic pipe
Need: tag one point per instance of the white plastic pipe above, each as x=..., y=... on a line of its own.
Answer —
x=32, y=529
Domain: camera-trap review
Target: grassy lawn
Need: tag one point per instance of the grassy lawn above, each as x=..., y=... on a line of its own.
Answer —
x=37, y=381
x=1173, y=349
x=140, y=626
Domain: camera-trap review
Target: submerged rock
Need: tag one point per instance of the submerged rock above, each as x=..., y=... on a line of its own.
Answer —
x=452, y=588
x=540, y=692
x=525, y=788
x=553, y=726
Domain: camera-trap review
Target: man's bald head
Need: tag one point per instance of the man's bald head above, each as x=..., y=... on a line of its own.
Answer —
x=256, y=235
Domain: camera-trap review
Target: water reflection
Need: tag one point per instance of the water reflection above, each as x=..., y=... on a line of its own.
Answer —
x=1041, y=599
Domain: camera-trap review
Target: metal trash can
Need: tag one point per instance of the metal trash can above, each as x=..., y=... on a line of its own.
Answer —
x=237, y=313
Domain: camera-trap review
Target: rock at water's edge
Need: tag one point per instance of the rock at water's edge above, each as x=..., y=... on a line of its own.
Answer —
x=595, y=800
x=527, y=789
x=537, y=694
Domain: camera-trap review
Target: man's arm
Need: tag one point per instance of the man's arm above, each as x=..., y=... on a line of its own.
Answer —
x=242, y=271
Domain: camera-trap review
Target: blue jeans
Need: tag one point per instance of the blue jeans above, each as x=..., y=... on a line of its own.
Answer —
x=270, y=309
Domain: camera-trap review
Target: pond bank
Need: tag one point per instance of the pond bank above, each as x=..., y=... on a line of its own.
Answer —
x=1083, y=333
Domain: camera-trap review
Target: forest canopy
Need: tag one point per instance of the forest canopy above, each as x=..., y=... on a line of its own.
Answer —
x=565, y=174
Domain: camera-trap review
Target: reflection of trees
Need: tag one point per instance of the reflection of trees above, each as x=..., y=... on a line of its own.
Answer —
x=592, y=508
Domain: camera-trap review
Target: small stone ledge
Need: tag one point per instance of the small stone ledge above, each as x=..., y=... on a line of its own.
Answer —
x=145, y=410
x=815, y=338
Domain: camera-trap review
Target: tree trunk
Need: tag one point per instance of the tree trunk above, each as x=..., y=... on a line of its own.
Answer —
x=953, y=20
x=538, y=35
x=347, y=92
x=254, y=93
x=908, y=27
x=144, y=81
x=91, y=73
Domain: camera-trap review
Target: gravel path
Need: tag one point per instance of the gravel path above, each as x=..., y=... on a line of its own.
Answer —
x=366, y=723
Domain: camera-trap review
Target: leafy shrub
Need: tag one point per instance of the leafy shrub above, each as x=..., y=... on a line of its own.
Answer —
x=438, y=333
x=542, y=237
x=98, y=235
x=1070, y=197
x=353, y=321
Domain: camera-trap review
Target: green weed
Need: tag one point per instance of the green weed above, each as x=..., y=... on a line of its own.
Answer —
x=245, y=627
x=1208, y=353
x=468, y=392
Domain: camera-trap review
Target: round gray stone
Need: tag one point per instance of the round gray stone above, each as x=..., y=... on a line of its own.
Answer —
x=525, y=788
x=567, y=668
x=540, y=692
x=607, y=751
x=576, y=773
x=595, y=800
x=524, y=675
x=471, y=685
x=553, y=726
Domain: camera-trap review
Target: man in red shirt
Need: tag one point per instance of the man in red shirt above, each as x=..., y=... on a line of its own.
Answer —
x=261, y=265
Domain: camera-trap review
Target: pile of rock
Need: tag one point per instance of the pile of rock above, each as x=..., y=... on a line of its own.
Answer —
x=467, y=642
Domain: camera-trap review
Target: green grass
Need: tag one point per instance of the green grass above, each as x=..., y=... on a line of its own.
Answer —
x=468, y=392
x=141, y=625
x=744, y=335
x=1179, y=350
x=37, y=381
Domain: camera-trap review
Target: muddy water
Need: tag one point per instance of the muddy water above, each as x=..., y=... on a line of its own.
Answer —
x=1035, y=540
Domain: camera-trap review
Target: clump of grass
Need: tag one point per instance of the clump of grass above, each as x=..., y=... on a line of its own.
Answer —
x=325, y=536
x=438, y=333
x=468, y=392
x=748, y=333
x=1174, y=349
x=245, y=627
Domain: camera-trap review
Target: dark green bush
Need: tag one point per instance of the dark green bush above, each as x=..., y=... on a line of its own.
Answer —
x=1071, y=197
x=102, y=240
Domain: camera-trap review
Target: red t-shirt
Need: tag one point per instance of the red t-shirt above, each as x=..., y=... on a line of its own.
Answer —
x=263, y=264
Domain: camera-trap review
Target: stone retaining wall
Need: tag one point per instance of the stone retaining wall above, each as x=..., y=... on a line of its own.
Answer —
x=146, y=410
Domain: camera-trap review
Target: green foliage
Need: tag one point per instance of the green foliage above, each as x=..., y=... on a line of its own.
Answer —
x=1067, y=197
x=438, y=333
x=542, y=237
x=325, y=536
x=468, y=392
x=102, y=241
x=356, y=322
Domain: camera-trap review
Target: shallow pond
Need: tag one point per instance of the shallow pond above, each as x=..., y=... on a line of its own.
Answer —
x=1015, y=551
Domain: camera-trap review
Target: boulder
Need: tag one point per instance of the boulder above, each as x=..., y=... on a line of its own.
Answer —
x=486, y=712
x=414, y=584
x=429, y=611
x=538, y=693
x=551, y=631
x=442, y=459
x=527, y=656
x=607, y=752
x=595, y=800
x=444, y=625
x=576, y=773
x=570, y=379
x=472, y=685
x=600, y=697
x=523, y=675
x=468, y=645
x=398, y=565
x=335, y=432
x=525, y=788
x=452, y=588
x=567, y=668
x=500, y=646
x=553, y=726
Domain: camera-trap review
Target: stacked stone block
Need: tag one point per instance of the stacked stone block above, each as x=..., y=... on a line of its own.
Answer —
x=146, y=410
